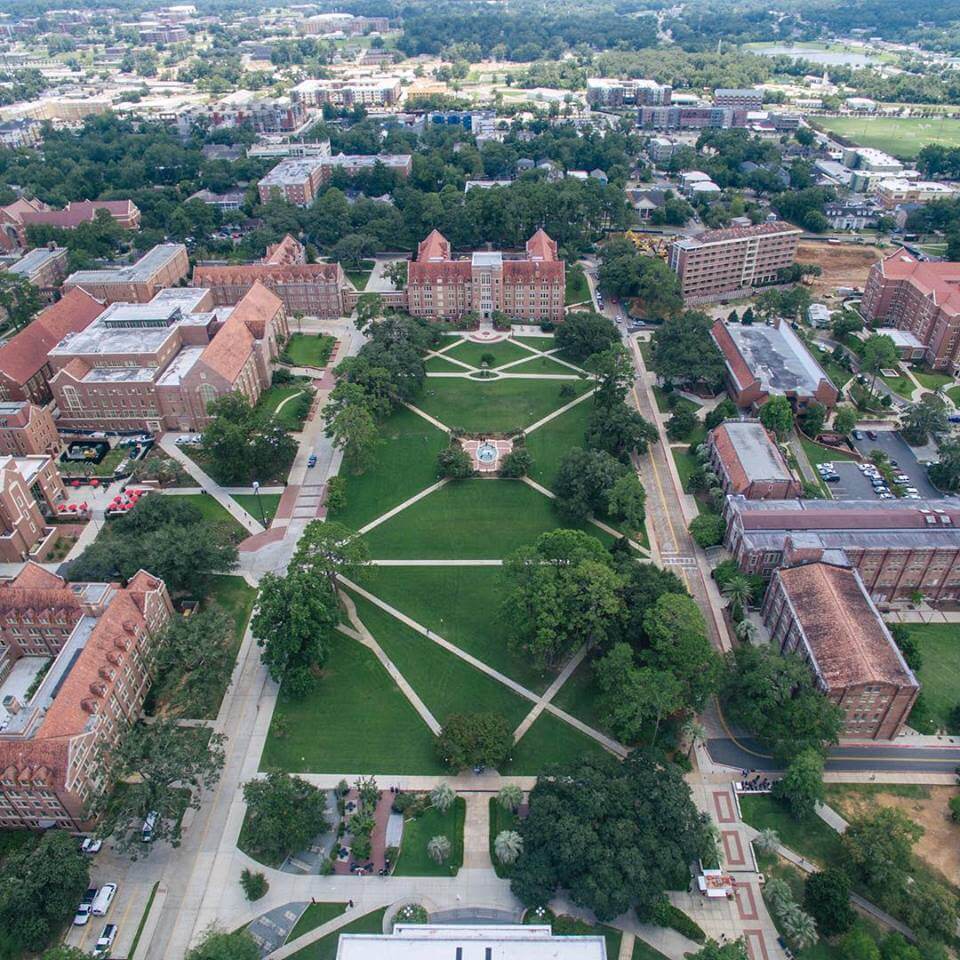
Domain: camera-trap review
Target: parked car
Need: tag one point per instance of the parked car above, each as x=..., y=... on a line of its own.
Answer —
x=886, y=496
x=91, y=845
x=103, y=899
x=857, y=435
x=105, y=942
x=912, y=490
x=312, y=460
x=82, y=916
x=871, y=434
x=188, y=439
x=831, y=477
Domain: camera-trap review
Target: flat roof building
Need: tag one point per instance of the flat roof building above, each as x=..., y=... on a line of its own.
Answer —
x=44, y=267
x=748, y=461
x=165, y=265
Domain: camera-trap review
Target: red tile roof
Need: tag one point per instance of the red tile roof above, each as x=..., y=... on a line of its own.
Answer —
x=541, y=247
x=24, y=354
x=737, y=365
x=843, y=628
x=213, y=275
x=435, y=247
x=532, y=271
x=257, y=308
x=288, y=250
x=83, y=211
x=941, y=281
x=450, y=271
x=230, y=349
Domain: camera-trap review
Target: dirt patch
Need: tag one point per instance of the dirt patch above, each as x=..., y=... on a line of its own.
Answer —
x=843, y=265
x=940, y=844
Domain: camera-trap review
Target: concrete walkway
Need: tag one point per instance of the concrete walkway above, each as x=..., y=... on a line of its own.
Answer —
x=558, y=412
x=476, y=833
x=527, y=722
x=428, y=418
x=383, y=518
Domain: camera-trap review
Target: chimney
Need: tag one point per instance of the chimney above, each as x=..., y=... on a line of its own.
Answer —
x=12, y=704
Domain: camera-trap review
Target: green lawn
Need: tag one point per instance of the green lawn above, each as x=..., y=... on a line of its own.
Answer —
x=356, y=720
x=236, y=596
x=686, y=463
x=940, y=648
x=215, y=512
x=286, y=404
x=462, y=604
x=901, y=136
x=406, y=462
x=549, y=740
x=577, y=288
x=469, y=520
x=500, y=820
x=503, y=352
x=253, y=504
x=540, y=364
x=643, y=951
x=901, y=385
x=817, y=454
x=316, y=915
x=84, y=468
x=579, y=695
x=646, y=351
x=500, y=406
x=326, y=947
x=309, y=349
x=954, y=394
x=543, y=344
x=444, y=682
x=812, y=839
x=414, y=860
x=360, y=277
x=680, y=403
x=440, y=365
x=550, y=443
x=932, y=380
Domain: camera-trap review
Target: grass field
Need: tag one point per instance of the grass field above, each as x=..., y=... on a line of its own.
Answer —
x=940, y=648
x=268, y=502
x=414, y=860
x=85, y=468
x=686, y=463
x=406, y=462
x=643, y=951
x=577, y=289
x=360, y=277
x=538, y=343
x=549, y=740
x=812, y=839
x=494, y=405
x=316, y=915
x=550, y=443
x=817, y=454
x=504, y=352
x=901, y=136
x=356, y=720
x=215, y=512
x=932, y=380
x=440, y=365
x=309, y=349
x=578, y=696
x=444, y=682
x=326, y=947
x=469, y=520
x=285, y=403
x=461, y=604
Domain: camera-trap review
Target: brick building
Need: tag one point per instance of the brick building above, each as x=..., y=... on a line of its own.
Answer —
x=920, y=297
x=163, y=266
x=52, y=745
x=262, y=114
x=765, y=361
x=608, y=92
x=17, y=216
x=157, y=366
x=30, y=488
x=823, y=613
x=748, y=462
x=27, y=429
x=729, y=263
x=44, y=267
x=530, y=287
x=24, y=369
x=738, y=99
x=372, y=91
x=315, y=289
x=690, y=118
x=298, y=179
x=899, y=547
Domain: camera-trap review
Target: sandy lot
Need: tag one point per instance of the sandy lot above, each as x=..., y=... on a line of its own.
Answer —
x=843, y=265
x=940, y=844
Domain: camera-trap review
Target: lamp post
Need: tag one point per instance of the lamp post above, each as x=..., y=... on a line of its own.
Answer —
x=256, y=490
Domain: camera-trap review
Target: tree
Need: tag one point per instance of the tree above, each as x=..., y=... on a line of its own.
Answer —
x=768, y=840
x=739, y=592
x=945, y=473
x=800, y=928
x=442, y=796
x=644, y=584
x=475, y=740
x=510, y=797
x=396, y=273
x=924, y=420
x=725, y=410
x=612, y=834
x=777, y=416
x=166, y=768
x=708, y=529
x=814, y=419
x=354, y=431
x=734, y=950
x=801, y=787
x=614, y=374
x=844, y=419
x=328, y=549
x=878, y=845
x=438, y=848
x=583, y=334
x=454, y=462
x=254, y=885
x=684, y=352
x=627, y=500
x=219, y=945
x=40, y=887
x=63, y=951
x=585, y=479
x=369, y=308
x=878, y=351
x=619, y=430
x=826, y=896
x=517, y=463
x=508, y=845
x=681, y=424
x=907, y=643
x=284, y=815
x=846, y=323
x=20, y=300
x=859, y=945
x=294, y=621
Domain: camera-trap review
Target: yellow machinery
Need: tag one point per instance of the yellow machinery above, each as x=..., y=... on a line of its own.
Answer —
x=649, y=244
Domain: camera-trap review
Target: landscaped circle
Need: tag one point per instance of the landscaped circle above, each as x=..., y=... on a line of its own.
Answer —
x=486, y=453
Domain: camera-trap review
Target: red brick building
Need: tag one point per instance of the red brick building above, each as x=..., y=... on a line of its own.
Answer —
x=24, y=369
x=30, y=488
x=315, y=289
x=52, y=745
x=921, y=297
x=748, y=462
x=298, y=179
x=27, y=429
x=163, y=266
x=823, y=613
x=729, y=263
x=17, y=216
x=530, y=287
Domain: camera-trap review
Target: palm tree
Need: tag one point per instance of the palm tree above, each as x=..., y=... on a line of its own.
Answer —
x=800, y=928
x=779, y=895
x=442, y=797
x=768, y=840
x=508, y=845
x=438, y=848
x=745, y=631
x=692, y=730
x=510, y=797
x=738, y=590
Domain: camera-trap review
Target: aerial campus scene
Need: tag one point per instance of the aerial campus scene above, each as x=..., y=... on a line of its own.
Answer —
x=480, y=480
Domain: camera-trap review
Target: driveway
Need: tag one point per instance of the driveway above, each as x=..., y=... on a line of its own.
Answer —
x=896, y=448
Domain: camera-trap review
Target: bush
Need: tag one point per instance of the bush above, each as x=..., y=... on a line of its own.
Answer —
x=411, y=913
x=681, y=425
x=403, y=802
x=665, y=914
x=454, y=462
x=708, y=529
x=360, y=847
x=254, y=885
x=826, y=896
x=517, y=463
x=955, y=809
x=336, y=494
x=281, y=377
x=547, y=326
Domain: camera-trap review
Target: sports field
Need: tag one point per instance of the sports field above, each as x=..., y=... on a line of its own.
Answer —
x=901, y=136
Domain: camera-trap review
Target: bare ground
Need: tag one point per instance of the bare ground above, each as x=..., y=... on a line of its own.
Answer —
x=843, y=265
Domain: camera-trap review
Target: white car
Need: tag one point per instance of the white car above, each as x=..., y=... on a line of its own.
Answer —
x=105, y=942
x=910, y=490
x=188, y=439
x=91, y=845
x=82, y=916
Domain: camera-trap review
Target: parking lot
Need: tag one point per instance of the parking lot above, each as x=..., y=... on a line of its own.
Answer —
x=852, y=485
x=898, y=449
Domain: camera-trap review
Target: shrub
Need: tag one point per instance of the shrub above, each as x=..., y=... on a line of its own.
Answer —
x=411, y=913
x=708, y=529
x=360, y=847
x=665, y=914
x=403, y=802
x=280, y=377
x=517, y=463
x=567, y=391
x=336, y=494
x=454, y=462
x=254, y=885
x=955, y=809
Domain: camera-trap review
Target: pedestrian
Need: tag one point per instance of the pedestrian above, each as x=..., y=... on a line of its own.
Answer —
x=350, y=904
x=313, y=899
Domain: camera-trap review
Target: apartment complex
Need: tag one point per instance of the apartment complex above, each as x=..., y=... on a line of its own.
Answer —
x=530, y=287
x=44, y=267
x=689, y=118
x=373, y=91
x=27, y=429
x=158, y=366
x=24, y=369
x=749, y=463
x=893, y=191
x=765, y=361
x=309, y=288
x=22, y=213
x=823, y=613
x=728, y=263
x=297, y=179
x=262, y=114
x=30, y=489
x=605, y=92
x=738, y=99
x=163, y=266
x=920, y=297
x=327, y=24
x=53, y=744
x=899, y=547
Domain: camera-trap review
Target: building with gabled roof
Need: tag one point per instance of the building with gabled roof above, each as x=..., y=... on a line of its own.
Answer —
x=748, y=461
x=23, y=213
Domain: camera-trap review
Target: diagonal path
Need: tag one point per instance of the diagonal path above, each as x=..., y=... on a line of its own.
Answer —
x=527, y=722
x=383, y=518
x=427, y=417
x=559, y=411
